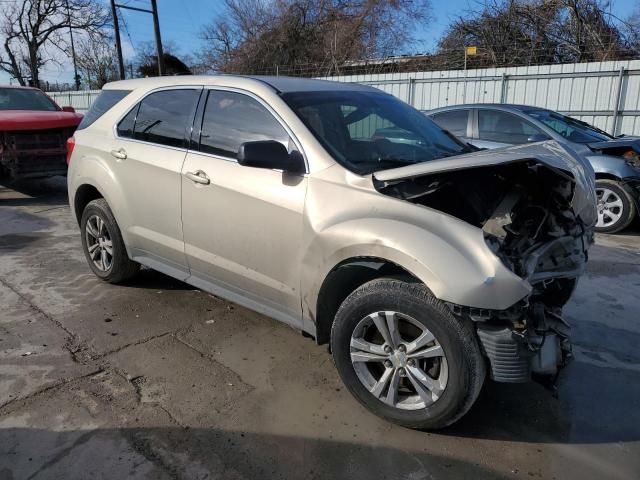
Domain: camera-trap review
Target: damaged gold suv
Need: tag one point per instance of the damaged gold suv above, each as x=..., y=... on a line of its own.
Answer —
x=347, y=214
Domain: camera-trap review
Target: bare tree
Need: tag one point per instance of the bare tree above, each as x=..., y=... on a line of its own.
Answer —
x=32, y=29
x=512, y=32
x=261, y=36
x=96, y=59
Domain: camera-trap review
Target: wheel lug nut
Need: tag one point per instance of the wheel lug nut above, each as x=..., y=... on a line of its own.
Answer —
x=387, y=364
x=401, y=371
x=402, y=348
x=411, y=362
x=387, y=349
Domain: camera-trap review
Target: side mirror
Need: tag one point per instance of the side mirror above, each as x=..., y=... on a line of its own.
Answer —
x=537, y=137
x=69, y=109
x=270, y=154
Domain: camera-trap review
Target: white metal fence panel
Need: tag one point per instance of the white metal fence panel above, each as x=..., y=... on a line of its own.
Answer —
x=605, y=94
x=81, y=100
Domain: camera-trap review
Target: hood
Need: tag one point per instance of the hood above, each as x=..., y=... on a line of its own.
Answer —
x=559, y=158
x=632, y=143
x=12, y=120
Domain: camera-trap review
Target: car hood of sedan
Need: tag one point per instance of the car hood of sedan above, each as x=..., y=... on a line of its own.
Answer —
x=621, y=142
x=550, y=153
x=14, y=120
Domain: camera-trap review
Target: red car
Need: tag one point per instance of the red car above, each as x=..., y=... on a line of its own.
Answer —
x=33, y=133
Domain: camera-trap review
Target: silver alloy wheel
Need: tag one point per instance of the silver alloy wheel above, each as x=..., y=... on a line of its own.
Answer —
x=99, y=244
x=610, y=207
x=398, y=360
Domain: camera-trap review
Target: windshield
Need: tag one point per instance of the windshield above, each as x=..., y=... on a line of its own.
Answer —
x=371, y=131
x=570, y=128
x=24, y=99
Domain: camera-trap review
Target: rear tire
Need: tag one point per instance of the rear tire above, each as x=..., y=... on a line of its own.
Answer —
x=418, y=314
x=616, y=207
x=103, y=245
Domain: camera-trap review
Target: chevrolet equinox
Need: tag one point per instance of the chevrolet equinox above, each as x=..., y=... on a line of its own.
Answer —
x=344, y=212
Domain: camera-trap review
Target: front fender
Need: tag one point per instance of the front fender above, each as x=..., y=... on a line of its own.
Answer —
x=613, y=166
x=449, y=256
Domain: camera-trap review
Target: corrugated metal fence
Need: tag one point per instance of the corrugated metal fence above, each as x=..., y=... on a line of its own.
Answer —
x=605, y=94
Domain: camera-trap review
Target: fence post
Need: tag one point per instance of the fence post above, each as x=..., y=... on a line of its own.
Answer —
x=616, y=107
x=411, y=93
x=503, y=87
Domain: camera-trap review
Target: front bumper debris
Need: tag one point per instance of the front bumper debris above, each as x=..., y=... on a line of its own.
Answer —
x=539, y=346
x=34, y=153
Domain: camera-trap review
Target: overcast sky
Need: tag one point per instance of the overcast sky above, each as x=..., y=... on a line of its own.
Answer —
x=181, y=21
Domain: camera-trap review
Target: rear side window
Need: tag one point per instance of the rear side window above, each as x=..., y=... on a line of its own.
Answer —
x=125, y=127
x=231, y=119
x=455, y=121
x=496, y=126
x=104, y=102
x=163, y=117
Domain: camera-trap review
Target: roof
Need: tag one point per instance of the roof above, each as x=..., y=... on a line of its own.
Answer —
x=497, y=106
x=18, y=87
x=280, y=84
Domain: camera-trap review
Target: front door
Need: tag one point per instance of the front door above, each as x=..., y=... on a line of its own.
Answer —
x=242, y=225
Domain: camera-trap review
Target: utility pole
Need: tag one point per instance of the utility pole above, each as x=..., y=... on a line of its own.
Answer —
x=76, y=77
x=156, y=28
x=116, y=30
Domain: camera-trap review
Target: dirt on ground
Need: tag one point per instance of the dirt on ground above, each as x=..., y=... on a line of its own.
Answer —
x=155, y=379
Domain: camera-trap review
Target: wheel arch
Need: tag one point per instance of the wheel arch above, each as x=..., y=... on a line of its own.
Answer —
x=607, y=176
x=84, y=194
x=342, y=280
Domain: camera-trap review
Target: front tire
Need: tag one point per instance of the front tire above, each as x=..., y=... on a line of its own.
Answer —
x=405, y=356
x=616, y=208
x=103, y=245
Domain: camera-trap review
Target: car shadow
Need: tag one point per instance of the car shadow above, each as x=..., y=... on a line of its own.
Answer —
x=42, y=191
x=592, y=405
x=214, y=453
x=148, y=279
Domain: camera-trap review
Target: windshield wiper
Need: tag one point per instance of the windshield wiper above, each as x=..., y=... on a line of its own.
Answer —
x=387, y=163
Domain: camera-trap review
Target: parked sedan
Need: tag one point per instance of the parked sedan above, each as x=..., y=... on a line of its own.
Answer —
x=616, y=161
x=33, y=133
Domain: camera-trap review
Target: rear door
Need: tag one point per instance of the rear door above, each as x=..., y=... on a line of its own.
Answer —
x=455, y=121
x=148, y=153
x=243, y=225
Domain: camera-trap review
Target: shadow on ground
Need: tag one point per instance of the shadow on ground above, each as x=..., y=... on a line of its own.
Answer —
x=41, y=191
x=210, y=453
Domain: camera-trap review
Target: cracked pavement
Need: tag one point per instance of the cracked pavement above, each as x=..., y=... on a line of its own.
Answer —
x=155, y=379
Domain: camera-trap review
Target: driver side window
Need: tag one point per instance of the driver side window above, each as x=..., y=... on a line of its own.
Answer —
x=231, y=119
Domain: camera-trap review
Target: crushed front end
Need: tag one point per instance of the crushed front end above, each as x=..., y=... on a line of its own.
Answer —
x=34, y=153
x=536, y=208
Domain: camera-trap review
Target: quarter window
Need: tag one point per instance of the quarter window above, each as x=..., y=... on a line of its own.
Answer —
x=125, y=127
x=454, y=121
x=231, y=119
x=496, y=126
x=163, y=117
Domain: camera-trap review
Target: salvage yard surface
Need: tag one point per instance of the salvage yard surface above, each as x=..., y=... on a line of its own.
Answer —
x=155, y=379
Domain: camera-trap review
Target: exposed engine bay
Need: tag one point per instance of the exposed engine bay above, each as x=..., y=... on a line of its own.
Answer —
x=525, y=211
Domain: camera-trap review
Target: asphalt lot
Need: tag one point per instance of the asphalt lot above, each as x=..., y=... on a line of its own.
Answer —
x=156, y=379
